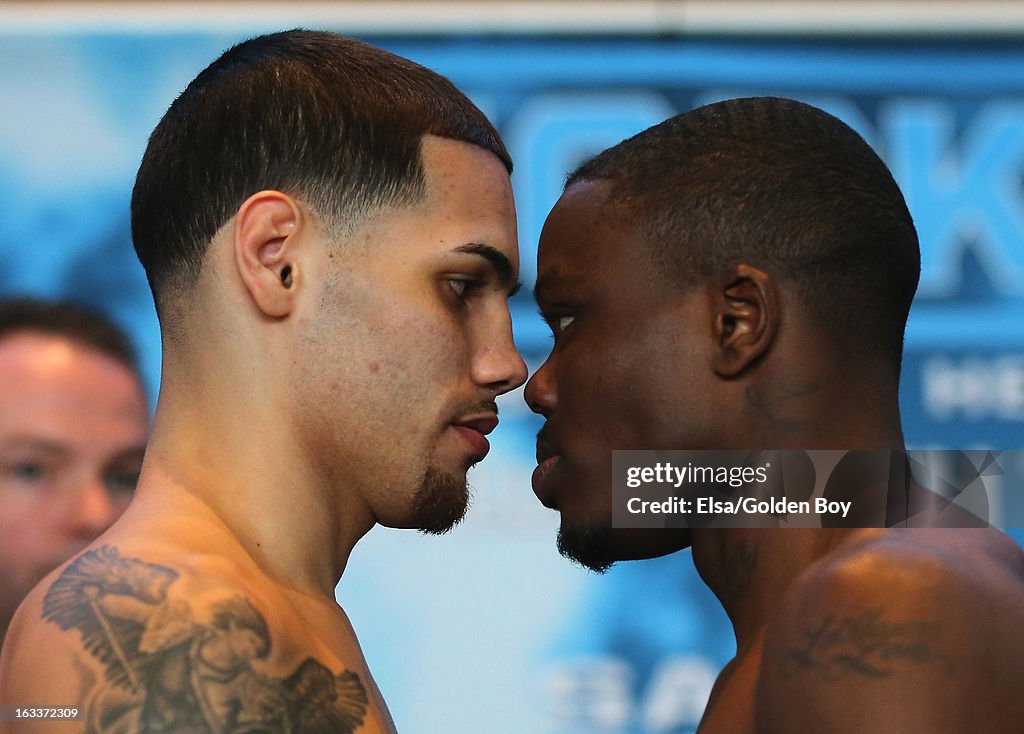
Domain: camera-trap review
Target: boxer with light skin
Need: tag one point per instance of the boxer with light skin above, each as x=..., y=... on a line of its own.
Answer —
x=330, y=236
x=739, y=277
x=73, y=425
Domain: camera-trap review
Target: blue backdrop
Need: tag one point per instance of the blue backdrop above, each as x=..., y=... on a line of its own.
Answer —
x=487, y=629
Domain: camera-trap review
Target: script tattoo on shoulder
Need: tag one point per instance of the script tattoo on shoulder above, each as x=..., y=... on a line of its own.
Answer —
x=864, y=645
x=167, y=670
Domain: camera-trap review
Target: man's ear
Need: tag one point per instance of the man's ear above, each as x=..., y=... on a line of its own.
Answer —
x=745, y=305
x=267, y=251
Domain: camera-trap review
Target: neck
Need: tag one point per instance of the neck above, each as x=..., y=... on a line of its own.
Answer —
x=750, y=569
x=822, y=414
x=225, y=463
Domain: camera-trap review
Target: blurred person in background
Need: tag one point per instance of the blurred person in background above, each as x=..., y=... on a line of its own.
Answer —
x=739, y=277
x=73, y=425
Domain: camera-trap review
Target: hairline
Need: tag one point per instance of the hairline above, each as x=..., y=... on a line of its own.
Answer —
x=341, y=224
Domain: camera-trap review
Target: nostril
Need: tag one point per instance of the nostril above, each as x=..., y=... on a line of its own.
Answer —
x=538, y=395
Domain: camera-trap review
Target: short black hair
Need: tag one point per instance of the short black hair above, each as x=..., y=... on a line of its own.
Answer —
x=331, y=120
x=784, y=187
x=70, y=321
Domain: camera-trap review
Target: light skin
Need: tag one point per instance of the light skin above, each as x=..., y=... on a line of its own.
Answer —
x=313, y=388
x=73, y=425
x=836, y=630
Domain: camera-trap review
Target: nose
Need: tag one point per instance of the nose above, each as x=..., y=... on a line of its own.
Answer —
x=91, y=509
x=540, y=393
x=498, y=364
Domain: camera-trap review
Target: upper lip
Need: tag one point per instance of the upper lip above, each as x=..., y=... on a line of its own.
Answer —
x=482, y=422
x=545, y=448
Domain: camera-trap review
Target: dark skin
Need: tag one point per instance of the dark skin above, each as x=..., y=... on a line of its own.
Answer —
x=842, y=630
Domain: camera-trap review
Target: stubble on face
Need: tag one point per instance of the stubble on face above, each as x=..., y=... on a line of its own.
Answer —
x=587, y=545
x=440, y=502
x=442, y=498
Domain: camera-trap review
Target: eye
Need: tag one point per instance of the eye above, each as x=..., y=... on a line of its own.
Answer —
x=28, y=471
x=558, y=323
x=121, y=481
x=562, y=323
x=463, y=287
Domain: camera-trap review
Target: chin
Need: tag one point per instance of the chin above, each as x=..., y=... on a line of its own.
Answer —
x=441, y=501
x=587, y=544
x=598, y=546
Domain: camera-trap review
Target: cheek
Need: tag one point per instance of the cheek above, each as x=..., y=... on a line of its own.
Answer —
x=602, y=394
x=419, y=358
x=20, y=511
x=629, y=398
x=119, y=502
x=28, y=535
x=392, y=374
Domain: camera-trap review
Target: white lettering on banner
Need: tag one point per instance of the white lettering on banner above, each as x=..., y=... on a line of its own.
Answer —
x=552, y=133
x=963, y=187
x=974, y=388
x=678, y=693
x=962, y=191
x=595, y=694
x=590, y=694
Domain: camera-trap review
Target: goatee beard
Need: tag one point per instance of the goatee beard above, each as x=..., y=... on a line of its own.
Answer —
x=441, y=501
x=587, y=546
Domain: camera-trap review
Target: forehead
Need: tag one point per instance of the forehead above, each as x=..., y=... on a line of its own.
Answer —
x=583, y=242
x=53, y=388
x=467, y=183
x=458, y=170
x=467, y=200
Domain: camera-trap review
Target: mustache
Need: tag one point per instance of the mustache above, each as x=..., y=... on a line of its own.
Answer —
x=544, y=446
x=472, y=407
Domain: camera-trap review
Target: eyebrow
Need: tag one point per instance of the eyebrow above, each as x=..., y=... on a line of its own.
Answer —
x=498, y=260
x=546, y=283
x=33, y=443
x=133, y=454
x=59, y=450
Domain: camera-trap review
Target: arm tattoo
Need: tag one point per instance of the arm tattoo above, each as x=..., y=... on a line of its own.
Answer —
x=165, y=670
x=863, y=645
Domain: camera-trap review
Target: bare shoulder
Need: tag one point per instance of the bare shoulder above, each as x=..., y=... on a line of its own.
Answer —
x=147, y=641
x=900, y=631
